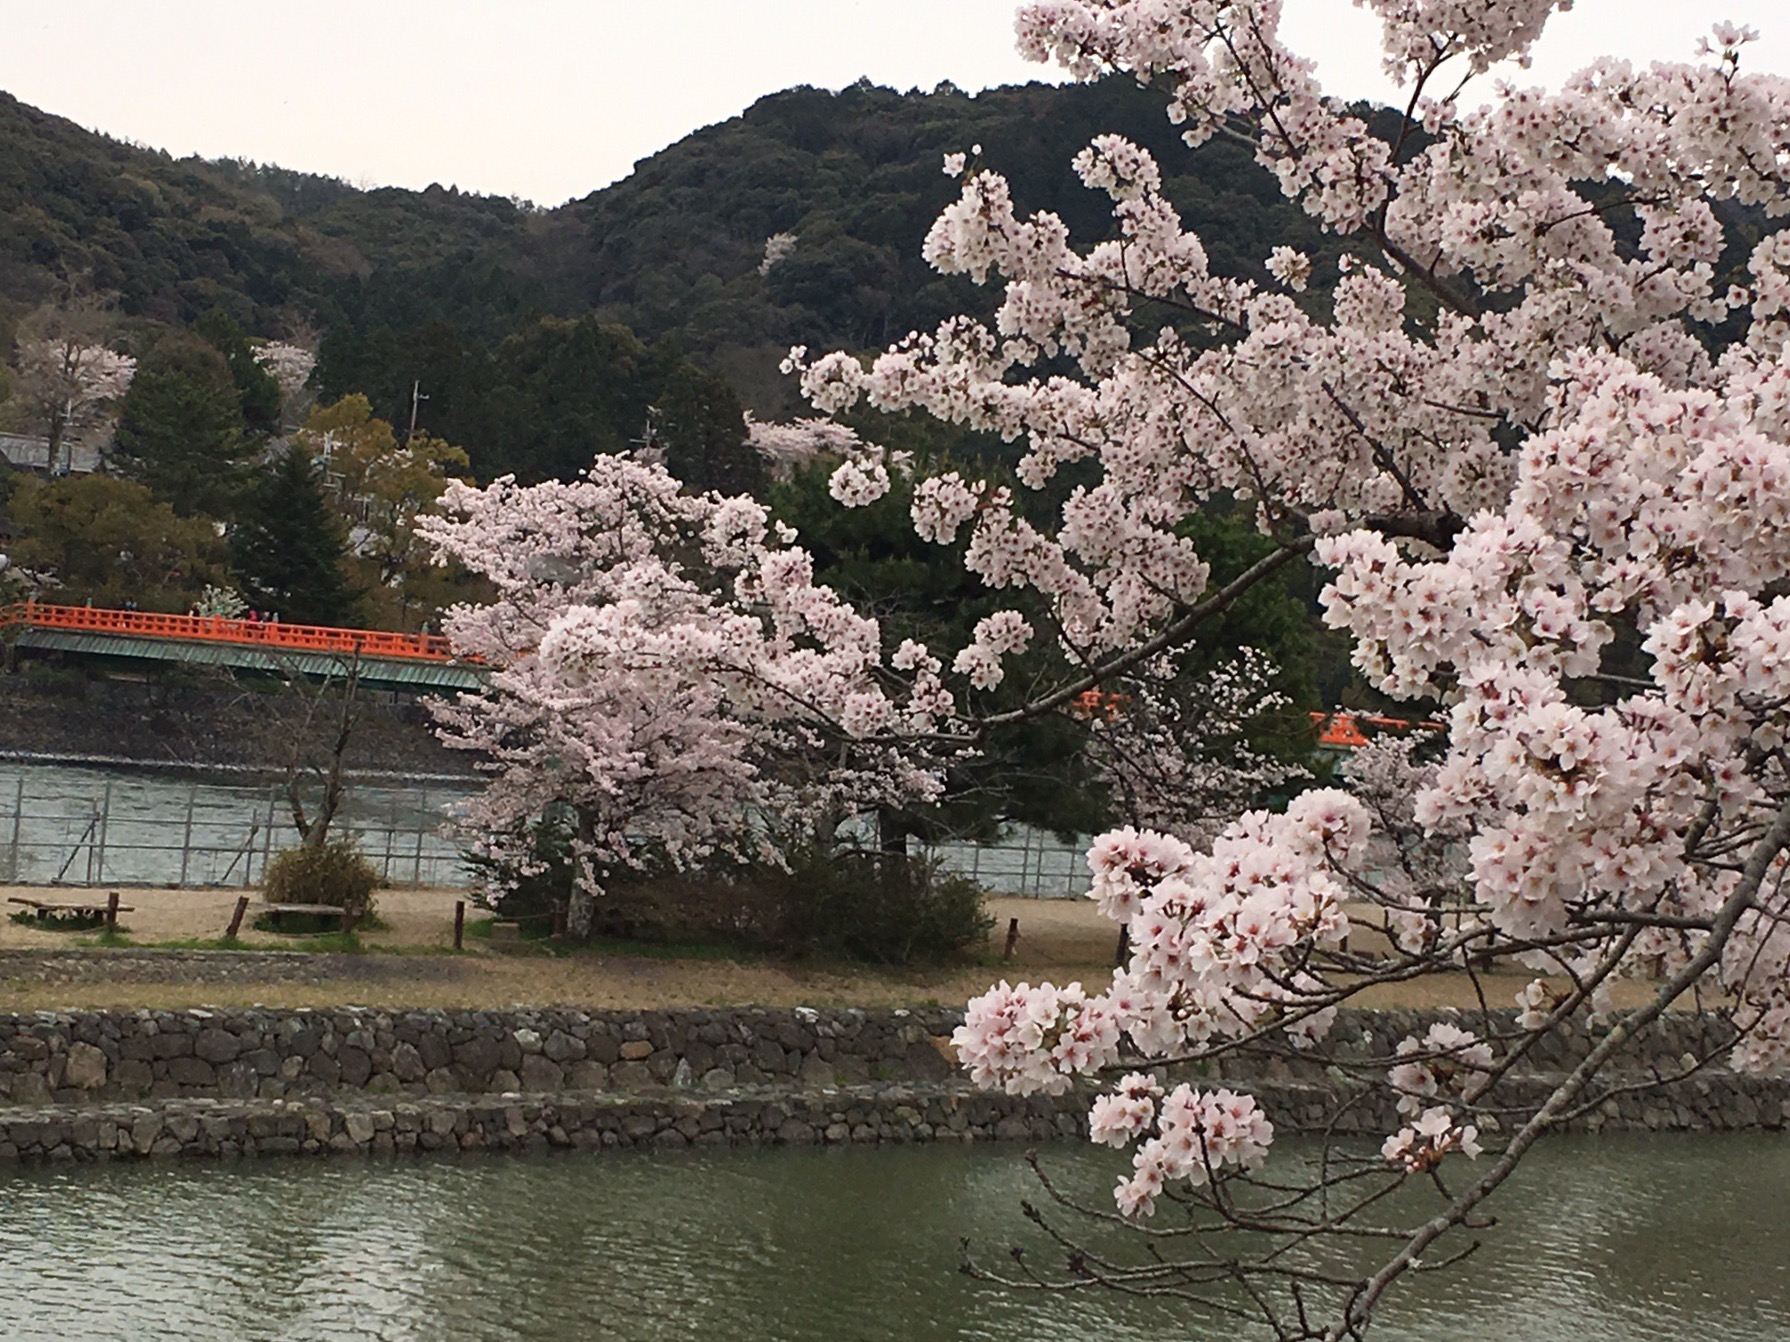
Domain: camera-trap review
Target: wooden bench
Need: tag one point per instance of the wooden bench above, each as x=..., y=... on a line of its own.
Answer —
x=107, y=912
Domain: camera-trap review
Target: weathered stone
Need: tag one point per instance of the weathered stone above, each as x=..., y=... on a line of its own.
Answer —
x=630, y=1076
x=407, y=1064
x=588, y=1076
x=355, y=1066
x=85, y=1068
x=539, y=1074
x=237, y=1081
x=563, y=1048
x=173, y=1046
x=191, y=1071
x=636, y=1049
x=145, y=1128
x=477, y=1057
x=358, y=1128
x=215, y=1046
x=433, y=1049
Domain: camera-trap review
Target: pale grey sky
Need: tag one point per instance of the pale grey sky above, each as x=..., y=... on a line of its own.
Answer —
x=550, y=99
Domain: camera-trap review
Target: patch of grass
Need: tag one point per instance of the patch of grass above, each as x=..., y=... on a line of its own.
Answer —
x=199, y=944
x=111, y=938
x=535, y=937
x=528, y=929
x=667, y=950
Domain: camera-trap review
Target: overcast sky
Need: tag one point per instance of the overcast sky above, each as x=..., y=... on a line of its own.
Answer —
x=550, y=99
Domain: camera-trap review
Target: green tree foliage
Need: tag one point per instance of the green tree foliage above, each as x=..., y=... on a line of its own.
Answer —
x=180, y=428
x=256, y=390
x=378, y=488
x=109, y=541
x=290, y=547
x=540, y=402
x=701, y=425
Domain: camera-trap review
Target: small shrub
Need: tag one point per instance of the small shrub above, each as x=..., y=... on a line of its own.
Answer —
x=879, y=908
x=883, y=908
x=337, y=874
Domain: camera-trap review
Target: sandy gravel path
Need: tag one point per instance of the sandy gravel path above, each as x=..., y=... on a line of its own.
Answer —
x=411, y=963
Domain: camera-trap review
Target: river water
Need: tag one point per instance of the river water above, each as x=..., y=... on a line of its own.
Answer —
x=1617, y=1239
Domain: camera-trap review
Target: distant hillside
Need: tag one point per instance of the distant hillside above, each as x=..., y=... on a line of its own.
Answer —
x=428, y=286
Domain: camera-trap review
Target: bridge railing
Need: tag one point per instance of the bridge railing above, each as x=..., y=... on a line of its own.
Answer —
x=217, y=629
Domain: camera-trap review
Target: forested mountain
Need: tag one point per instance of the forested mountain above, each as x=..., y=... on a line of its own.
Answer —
x=506, y=314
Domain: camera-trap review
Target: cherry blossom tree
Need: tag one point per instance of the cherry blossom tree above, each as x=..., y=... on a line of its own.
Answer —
x=290, y=365
x=68, y=377
x=1537, y=439
x=664, y=665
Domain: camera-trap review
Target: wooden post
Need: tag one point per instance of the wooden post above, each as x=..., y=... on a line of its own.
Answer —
x=459, y=924
x=111, y=910
x=242, y=908
x=1012, y=938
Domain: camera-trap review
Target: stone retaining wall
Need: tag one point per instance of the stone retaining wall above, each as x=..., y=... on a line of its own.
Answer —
x=229, y=1128
x=239, y=1054
x=95, y=1085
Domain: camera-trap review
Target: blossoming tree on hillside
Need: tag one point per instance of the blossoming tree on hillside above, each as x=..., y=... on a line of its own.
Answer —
x=1540, y=441
x=69, y=379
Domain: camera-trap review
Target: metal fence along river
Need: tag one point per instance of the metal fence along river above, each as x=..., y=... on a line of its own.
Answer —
x=109, y=823
x=116, y=826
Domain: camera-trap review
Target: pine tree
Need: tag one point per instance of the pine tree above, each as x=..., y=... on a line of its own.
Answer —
x=290, y=546
x=180, y=429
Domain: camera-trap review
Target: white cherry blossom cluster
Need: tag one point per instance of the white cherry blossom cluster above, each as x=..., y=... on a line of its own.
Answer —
x=1421, y=1144
x=779, y=247
x=77, y=383
x=1030, y=1040
x=289, y=365
x=1194, y=1138
x=1217, y=942
x=1444, y=1062
x=784, y=447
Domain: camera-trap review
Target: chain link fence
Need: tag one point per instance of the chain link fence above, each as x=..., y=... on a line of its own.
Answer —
x=66, y=826
x=63, y=825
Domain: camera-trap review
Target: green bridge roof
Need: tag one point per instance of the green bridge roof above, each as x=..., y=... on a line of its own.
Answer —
x=378, y=672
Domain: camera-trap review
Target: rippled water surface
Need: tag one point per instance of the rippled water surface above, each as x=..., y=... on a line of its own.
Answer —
x=1614, y=1240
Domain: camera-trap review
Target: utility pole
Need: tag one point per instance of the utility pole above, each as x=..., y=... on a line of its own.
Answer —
x=416, y=396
